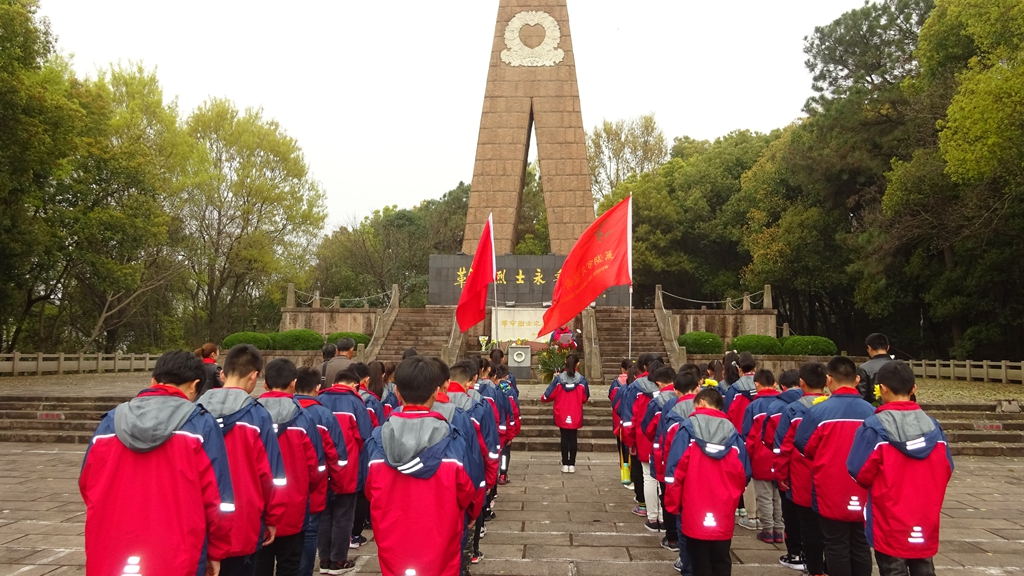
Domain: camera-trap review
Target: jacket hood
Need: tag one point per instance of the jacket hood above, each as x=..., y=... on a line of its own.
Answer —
x=684, y=406
x=446, y=409
x=227, y=405
x=144, y=423
x=745, y=383
x=570, y=382
x=791, y=395
x=645, y=385
x=283, y=409
x=713, y=433
x=415, y=443
x=910, y=431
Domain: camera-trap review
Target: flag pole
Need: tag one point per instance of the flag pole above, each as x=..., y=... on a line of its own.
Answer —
x=629, y=354
x=629, y=252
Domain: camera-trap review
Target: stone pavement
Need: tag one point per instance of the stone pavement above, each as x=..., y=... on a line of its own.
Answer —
x=548, y=523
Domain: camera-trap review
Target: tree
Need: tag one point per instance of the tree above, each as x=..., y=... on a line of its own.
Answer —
x=251, y=215
x=616, y=150
x=531, y=231
x=38, y=123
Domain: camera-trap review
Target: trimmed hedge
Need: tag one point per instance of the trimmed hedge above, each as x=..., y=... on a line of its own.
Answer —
x=359, y=337
x=757, y=344
x=701, y=343
x=296, y=340
x=809, y=346
x=257, y=339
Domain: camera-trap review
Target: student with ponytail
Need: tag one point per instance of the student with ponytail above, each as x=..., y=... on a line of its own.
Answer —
x=568, y=391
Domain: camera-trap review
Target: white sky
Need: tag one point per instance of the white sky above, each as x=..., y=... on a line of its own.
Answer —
x=385, y=97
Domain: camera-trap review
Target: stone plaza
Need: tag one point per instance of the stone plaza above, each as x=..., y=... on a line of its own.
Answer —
x=548, y=523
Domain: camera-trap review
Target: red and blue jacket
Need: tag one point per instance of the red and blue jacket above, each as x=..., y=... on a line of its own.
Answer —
x=902, y=457
x=374, y=407
x=303, y=455
x=737, y=397
x=390, y=399
x=791, y=467
x=515, y=421
x=420, y=494
x=333, y=441
x=482, y=417
x=824, y=437
x=569, y=394
x=707, y=472
x=772, y=416
x=634, y=403
x=467, y=434
x=614, y=389
x=257, y=469
x=752, y=431
x=498, y=402
x=156, y=461
x=677, y=410
x=651, y=423
x=349, y=410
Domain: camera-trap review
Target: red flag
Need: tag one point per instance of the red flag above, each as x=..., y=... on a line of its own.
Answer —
x=472, y=306
x=600, y=259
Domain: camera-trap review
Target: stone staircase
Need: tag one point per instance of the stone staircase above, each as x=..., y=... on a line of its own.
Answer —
x=613, y=337
x=974, y=429
x=425, y=329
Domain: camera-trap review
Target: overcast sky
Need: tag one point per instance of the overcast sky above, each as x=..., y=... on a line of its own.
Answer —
x=385, y=97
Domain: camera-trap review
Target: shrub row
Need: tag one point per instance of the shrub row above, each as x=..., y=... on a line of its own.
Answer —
x=709, y=343
x=290, y=339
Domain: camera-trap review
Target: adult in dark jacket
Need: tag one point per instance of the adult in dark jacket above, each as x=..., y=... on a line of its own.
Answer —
x=877, y=345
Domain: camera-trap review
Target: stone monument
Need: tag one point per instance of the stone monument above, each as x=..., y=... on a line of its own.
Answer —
x=531, y=82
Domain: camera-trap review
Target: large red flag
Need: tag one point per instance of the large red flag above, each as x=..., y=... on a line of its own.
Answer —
x=600, y=259
x=472, y=306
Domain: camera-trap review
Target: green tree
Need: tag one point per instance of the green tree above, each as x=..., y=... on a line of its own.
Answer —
x=616, y=150
x=38, y=123
x=252, y=216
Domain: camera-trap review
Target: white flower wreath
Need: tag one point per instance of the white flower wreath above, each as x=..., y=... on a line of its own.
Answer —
x=546, y=54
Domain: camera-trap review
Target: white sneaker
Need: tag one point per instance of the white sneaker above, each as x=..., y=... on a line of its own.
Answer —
x=565, y=469
x=749, y=523
x=572, y=469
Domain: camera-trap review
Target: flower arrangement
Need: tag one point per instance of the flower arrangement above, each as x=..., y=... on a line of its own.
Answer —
x=551, y=360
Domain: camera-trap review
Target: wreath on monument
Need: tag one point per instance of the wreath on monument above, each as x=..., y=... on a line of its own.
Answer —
x=546, y=54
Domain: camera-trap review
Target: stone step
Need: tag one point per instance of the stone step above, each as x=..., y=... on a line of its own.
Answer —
x=90, y=415
x=28, y=425
x=46, y=436
x=551, y=431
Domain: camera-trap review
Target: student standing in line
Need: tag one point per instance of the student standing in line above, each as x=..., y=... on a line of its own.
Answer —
x=569, y=391
x=709, y=469
x=789, y=381
x=257, y=470
x=902, y=457
x=824, y=437
x=158, y=460
x=417, y=484
x=769, y=503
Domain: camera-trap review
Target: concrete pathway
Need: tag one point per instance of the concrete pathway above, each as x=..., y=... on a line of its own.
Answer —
x=548, y=523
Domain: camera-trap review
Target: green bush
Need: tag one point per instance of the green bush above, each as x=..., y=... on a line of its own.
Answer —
x=701, y=343
x=757, y=344
x=359, y=337
x=809, y=346
x=257, y=339
x=296, y=340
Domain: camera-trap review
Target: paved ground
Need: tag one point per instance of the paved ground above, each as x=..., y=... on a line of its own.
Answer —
x=548, y=523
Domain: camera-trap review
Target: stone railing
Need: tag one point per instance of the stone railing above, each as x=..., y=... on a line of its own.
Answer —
x=383, y=326
x=669, y=330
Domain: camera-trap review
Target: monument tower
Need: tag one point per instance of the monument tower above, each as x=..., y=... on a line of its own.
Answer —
x=531, y=83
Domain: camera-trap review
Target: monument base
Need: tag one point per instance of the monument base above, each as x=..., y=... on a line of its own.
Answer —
x=523, y=281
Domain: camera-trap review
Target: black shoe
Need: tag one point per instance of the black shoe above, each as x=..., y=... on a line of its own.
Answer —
x=490, y=515
x=669, y=544
x=795, y=562
x=652, y=526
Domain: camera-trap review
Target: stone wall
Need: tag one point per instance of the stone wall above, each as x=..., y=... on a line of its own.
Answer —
x=727, y=323
x=329, y=320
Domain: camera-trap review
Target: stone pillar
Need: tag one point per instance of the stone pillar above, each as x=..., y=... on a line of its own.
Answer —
x=768, y=302
x=532, y=81
x=289, y=301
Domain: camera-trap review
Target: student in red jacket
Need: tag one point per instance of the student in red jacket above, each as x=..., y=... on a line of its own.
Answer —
x=417, y=485
x=257, y=470
x=902, y=457
x=637, y=396
x=664, y=378
x=793, y=470
x=155, y=481
x=769, y=502
x=825, y=436
x=709, y=470
x=306, y=388
x=569, y=391
x=335, y=537
x=302, y=452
